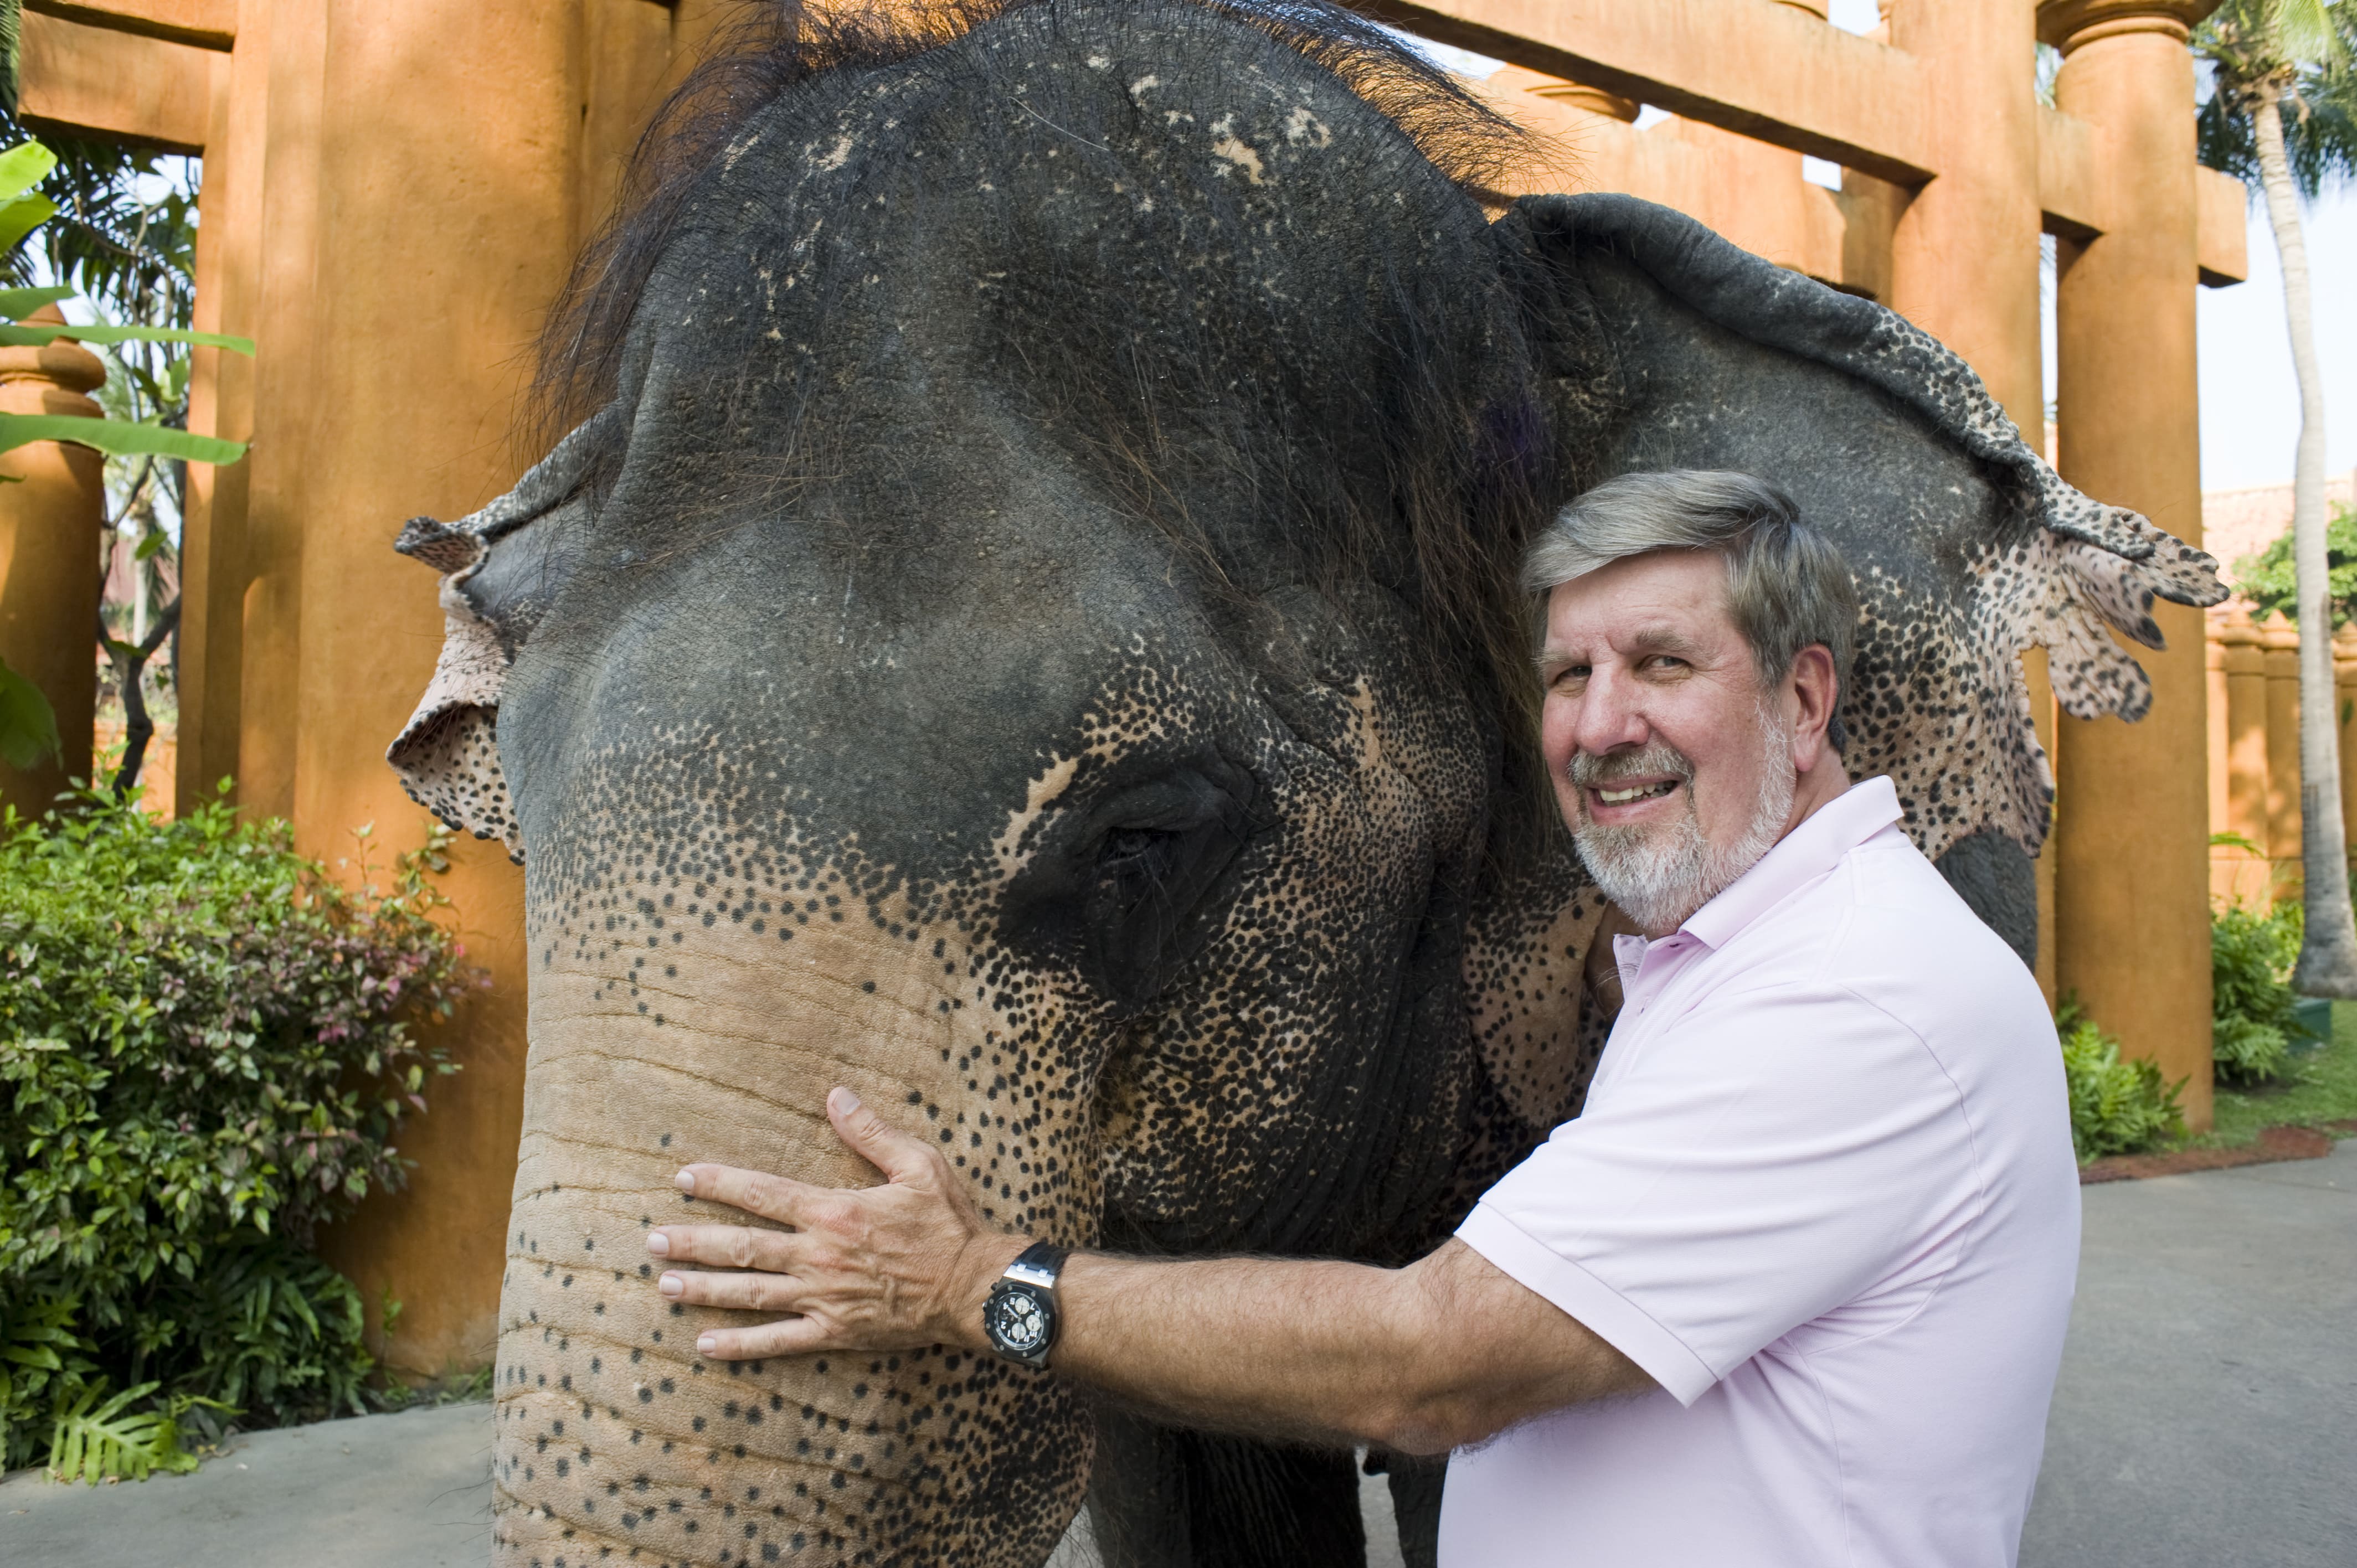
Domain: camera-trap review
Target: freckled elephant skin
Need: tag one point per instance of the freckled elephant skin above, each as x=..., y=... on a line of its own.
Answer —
x=1029, y=636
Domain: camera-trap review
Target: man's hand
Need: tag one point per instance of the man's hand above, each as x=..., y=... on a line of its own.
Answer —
x=882, y=1268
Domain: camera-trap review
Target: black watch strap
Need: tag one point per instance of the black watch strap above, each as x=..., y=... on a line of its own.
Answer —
x=1040, y=1264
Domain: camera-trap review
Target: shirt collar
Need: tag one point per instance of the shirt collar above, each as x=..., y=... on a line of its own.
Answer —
x=1801, y=856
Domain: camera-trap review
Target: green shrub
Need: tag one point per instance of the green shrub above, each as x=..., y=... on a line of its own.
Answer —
x=2272, y=583
x=206, y=1051
x=2253, y=1020
x=2116, y=1107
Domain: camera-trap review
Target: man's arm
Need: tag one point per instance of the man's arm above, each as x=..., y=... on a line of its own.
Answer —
x=1444, y=1352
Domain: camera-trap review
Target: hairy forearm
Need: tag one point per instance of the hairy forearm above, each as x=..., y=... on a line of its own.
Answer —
x=1316, y=1351
x=1418, y=1360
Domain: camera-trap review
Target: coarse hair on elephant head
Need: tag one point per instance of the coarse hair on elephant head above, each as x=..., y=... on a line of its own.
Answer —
x=1022, y=623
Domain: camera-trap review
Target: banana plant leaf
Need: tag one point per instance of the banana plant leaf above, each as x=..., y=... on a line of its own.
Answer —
x=45, y=333
x=23, y=166
x=119, y=437
x=21, y=215
x=17, y=303
x=29, y=725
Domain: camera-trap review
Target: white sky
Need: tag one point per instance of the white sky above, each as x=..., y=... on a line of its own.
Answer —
x=2250, y=405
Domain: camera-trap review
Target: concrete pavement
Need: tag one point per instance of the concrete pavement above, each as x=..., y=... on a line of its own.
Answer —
x=2207, y=1415
x=412, y=1491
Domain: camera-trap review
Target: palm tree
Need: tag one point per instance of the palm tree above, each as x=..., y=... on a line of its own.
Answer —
x=2283, y=118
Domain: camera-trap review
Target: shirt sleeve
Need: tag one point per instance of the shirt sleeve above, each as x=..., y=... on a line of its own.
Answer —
x=1771, y=1157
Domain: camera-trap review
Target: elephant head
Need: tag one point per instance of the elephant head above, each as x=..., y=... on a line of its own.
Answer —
x=1028, y=634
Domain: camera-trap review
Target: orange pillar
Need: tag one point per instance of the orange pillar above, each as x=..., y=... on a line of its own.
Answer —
x=1964, y=254
x=2280, y=650
x=214, y=561
x=447, y=207
x=2221, y=866
x=49, y=526
x=2344, y=684
x=2132, y=925
x=2243, y=720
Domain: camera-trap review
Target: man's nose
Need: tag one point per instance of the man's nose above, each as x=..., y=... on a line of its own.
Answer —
x=1610, y=716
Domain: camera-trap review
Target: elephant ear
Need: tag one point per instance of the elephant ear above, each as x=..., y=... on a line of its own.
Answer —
x=1663, y=346
x=500, y=566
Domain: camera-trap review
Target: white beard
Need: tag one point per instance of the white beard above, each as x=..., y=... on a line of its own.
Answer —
x=1659, y=876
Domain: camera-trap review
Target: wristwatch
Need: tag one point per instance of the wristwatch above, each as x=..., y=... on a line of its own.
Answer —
x=1020, y=1315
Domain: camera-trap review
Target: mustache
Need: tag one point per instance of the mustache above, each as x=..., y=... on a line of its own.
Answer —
x=1591, y=771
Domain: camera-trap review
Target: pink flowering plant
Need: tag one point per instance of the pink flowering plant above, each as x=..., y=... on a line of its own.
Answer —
x=208, y=1048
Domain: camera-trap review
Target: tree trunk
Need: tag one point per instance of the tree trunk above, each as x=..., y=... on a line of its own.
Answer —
x=130, y=665
x=2328, y=951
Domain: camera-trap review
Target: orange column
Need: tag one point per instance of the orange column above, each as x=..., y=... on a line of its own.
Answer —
x=1964, y=254
x=294, y=45
x=2344, y=682
x=214, y=562
x=2132, y=927
x=49, y=525
x=2279, y=649
x=450, y=184
x=2222, y=869
x=2243, y=720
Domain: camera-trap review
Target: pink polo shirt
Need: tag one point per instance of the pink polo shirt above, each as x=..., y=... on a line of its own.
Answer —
x=1823, y=1192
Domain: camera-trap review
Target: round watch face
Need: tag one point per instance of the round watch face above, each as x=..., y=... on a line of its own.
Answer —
x=1018, y=1319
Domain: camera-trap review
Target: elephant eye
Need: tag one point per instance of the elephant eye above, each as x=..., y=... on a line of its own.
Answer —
x=1131, y=888
x=1137, y=861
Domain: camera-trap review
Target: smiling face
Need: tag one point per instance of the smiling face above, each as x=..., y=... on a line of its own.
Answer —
x=1676, y=768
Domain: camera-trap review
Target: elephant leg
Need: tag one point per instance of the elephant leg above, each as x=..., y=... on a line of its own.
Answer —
x=1416, y=1503
x=1999, y=883
x=1160, y=1497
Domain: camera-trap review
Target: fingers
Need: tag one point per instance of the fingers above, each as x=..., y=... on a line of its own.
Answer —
x=724, y=1246
x=890, y=1150
x=756, y=1192
x=789, y=1337
x=739, y=1293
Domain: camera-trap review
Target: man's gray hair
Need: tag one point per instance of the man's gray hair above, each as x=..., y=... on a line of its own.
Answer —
x=1787, y=587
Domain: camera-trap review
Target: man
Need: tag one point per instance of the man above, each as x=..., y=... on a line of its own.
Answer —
x=1791, y=1291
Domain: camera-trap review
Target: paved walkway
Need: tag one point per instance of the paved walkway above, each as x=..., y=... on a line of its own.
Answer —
x=2208, y=1409
x=2207, y=1415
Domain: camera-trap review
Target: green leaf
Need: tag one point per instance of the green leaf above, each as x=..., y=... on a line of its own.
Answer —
x=21, y=215
x=29, y=725
x=23, y=166
x=120, y=437
x=44, y=334
x=149, y=546
x=94, y=1444
x=15, y=304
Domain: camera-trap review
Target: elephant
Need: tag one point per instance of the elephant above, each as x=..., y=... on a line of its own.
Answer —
x=1021, y=621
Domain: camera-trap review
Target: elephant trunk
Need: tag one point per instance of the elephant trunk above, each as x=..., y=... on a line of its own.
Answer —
x=697, y=1022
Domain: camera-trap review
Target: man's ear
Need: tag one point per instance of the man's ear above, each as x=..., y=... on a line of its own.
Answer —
x=1665, y=346
x=500, y=566
x=1817, y=688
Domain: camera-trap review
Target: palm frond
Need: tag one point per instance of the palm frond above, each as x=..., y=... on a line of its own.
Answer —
x=2309, y=62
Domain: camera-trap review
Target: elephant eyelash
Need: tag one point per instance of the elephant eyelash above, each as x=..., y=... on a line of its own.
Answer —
x=1140, y=859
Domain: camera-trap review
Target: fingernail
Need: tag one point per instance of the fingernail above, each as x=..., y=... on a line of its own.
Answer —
x=704, y=1346
x=659, y=1244
x=685, y=1182
x=668, y=1284
x=846, y=1101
